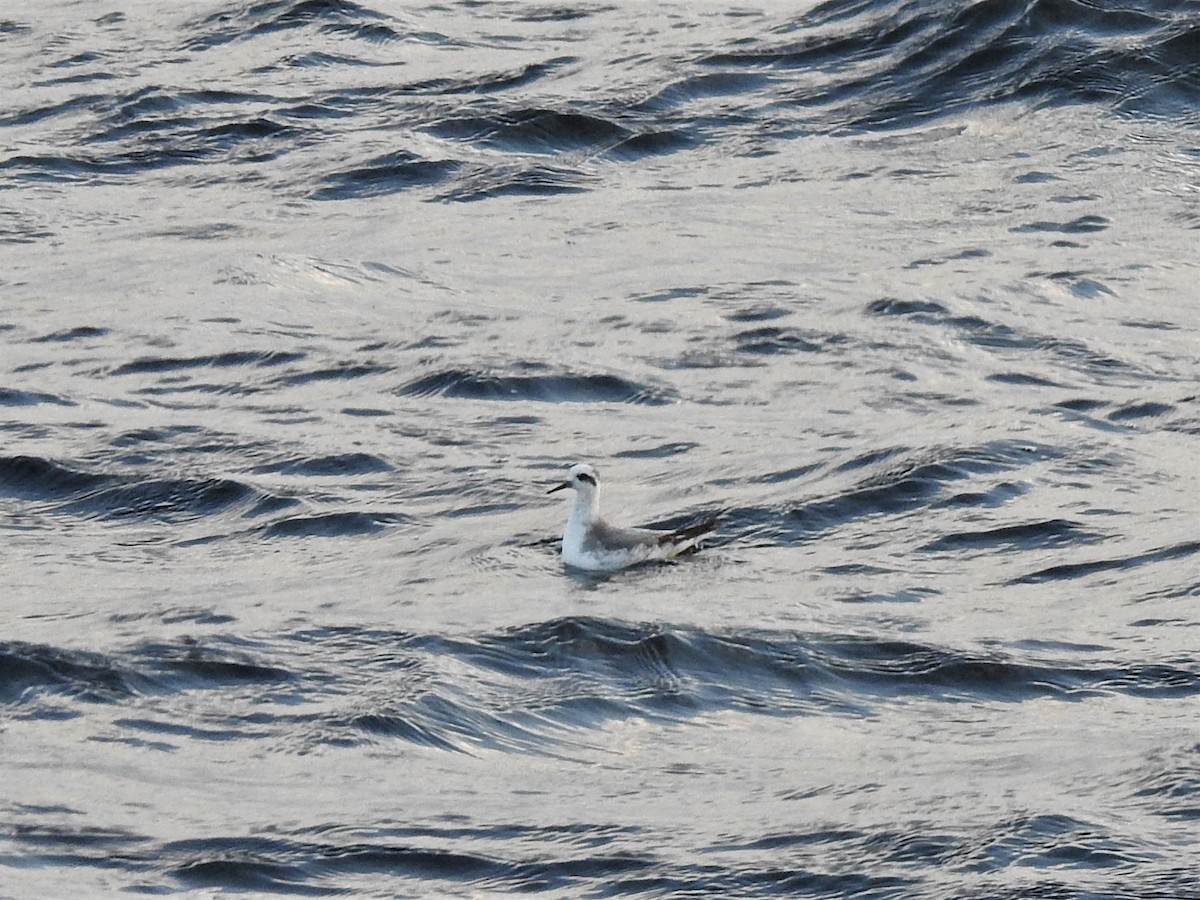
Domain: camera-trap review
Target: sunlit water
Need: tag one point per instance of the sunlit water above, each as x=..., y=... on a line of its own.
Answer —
x=303, y=306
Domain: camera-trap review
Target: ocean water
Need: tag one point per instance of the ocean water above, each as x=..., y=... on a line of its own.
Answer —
x=304, y=304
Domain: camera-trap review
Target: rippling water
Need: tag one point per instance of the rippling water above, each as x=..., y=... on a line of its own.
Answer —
x=304, y=303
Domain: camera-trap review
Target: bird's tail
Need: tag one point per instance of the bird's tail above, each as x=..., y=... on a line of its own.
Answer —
x=687, y=539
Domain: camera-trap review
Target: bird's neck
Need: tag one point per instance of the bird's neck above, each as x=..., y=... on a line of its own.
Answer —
x=586, y=508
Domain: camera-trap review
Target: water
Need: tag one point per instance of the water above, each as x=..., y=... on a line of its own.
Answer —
x=305, y=304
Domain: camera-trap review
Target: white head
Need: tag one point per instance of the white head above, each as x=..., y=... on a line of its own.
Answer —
x=583, y=478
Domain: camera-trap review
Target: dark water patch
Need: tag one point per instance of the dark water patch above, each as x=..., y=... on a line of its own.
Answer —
x=144, y=105
x=142, y=436
x=287, y=13
x=1151, y=324
x=550, y=132
x=783, y=880
x=1145, y=410
x=374, y=32
x=550, y=388
x=771, y=340
x=884, y=846
x=167, y=499
x=435, y=861
x=665, y=672
x=1186, y=426
x=1025, y=536
x=1082, y=225
x=1081, y=286
x=117, y=497
x=153, y=129
x=338, y=465
x=499, y=81
x=1024, y=379
x=785, y=474
x=156, y=129
x=35, y=478
x=257, y=128
x=972, y=253
x=1036, y=177
x=339, y=372
x=152, y=140
x=679, y=293
x=176, y=728
x=704, y=86
x=890, y=306
x=1071, y=571
x=311, y=60
x=904, y=485
x=388, y=174
x=1081, y=404
x=479, y=509
x=164, y=364
x=661, y=451
x=46, y=844
x=1053, y=842
x=561, y=13
x=79, y=59
x=900, y=667
x=980, y=332
x=480, y=183
x=1075, y=198
x=910, y=482
x=760, y=313
x=242, y=875
x=871, y=458
x=177, y=615
x=72, y=334
x=600, y=670
x=79, y=837
x=651, y=143
x=341, y=105
x=189, y=664
x=996, y=496
x=449, y=719
x=408, y=728
x=13, y=397
x=83, y=167
x=866, y=66
x=246, y=22
x=534, y=131
x=339, y=524
x=27, y=670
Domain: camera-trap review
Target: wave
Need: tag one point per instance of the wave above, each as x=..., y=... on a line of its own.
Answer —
x=540, y=687
x=549, y=388
x=165, y=364
x=585, y=856
x=846, y=66
x=862, y=66
x=48, y=487
x=897, y=480
x=88, y=494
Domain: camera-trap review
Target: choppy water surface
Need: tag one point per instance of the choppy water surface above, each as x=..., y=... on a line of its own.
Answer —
x=304, y=304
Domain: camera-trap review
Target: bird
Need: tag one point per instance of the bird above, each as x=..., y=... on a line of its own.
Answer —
x=591, y=544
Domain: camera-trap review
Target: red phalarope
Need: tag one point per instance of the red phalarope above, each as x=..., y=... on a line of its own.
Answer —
x=592, y=544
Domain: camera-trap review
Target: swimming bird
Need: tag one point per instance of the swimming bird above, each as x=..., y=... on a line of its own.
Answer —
x=591, y=543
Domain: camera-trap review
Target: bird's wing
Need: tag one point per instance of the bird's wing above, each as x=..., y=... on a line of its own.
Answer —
x=688, y=532
x=605, y=535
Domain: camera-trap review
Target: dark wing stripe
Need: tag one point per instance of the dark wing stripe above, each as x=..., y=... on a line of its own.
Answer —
x=690, y=531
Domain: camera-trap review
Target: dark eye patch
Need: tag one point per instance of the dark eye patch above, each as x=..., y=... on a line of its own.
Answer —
x=584, y=476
